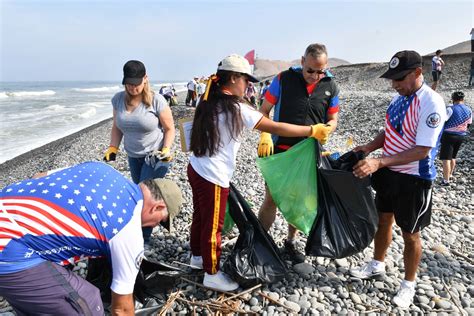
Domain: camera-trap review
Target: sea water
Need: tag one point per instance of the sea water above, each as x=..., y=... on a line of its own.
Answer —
x=33, y=114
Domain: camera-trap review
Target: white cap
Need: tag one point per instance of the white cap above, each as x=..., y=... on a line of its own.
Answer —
x=237, y=63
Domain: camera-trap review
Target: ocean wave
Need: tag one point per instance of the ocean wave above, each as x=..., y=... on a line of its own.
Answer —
x=101, y=89
x=3, y=95
x=89, y=113
x=98, y=104
x=28, y=93
x=55, y=107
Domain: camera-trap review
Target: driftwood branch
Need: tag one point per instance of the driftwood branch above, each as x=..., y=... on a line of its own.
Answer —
x=275, y=301
x=457, y=253
x=455, y=301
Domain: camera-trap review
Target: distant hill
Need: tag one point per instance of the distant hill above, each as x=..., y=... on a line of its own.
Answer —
x=266, y=68
x=459, y=48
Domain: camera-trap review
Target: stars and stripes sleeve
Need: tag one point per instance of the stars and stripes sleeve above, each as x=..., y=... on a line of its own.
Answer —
x=431, y=122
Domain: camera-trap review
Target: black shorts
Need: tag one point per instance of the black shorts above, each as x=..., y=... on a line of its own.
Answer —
x=407, y=196
x=450, y=144
x=436, y=75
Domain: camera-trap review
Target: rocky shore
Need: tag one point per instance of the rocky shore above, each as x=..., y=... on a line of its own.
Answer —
x=320, y=285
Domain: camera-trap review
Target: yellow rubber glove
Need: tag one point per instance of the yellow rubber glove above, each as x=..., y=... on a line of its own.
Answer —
x=111, y=154
x=265, y=145
x=165, y=154
x=321, y=132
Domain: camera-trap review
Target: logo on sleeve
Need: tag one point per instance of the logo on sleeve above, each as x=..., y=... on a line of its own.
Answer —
x=138, y=260
x=327, y=93
x=433, y=120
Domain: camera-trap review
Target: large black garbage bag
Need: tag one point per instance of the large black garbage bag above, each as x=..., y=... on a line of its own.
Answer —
x=99, y=273
x=255, y=257
x=153, y=278
x=347, y=218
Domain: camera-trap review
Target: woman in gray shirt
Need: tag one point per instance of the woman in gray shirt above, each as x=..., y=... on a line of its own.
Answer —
x=144, y=120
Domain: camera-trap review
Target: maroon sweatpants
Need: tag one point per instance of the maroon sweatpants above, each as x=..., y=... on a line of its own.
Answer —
x=209, y=202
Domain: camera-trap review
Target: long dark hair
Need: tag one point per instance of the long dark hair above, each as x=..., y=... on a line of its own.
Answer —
x=205, y=136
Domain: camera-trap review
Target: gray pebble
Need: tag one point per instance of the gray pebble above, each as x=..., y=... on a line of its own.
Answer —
x=294, y=306
x=443, y=304
x=303, y=268
x=355, y=298
x=423, y=299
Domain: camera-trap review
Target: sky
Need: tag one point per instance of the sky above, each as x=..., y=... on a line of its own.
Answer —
x=56, y=40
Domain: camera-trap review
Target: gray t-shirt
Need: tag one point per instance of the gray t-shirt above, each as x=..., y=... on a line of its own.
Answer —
x=141, y=129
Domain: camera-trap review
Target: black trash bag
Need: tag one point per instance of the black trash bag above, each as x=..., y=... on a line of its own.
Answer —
x=255, y=258
x=347, y=218
x=99, y=273
x=154, y=278
x=347, y=161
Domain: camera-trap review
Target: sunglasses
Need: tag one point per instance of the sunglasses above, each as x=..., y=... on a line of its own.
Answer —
x=403, y=78
x=318, y=71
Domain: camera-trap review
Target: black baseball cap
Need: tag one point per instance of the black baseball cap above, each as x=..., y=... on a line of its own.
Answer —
x=401, y=64
x=133, y=72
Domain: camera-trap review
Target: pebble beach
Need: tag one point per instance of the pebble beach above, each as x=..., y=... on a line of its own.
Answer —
x=445, y=280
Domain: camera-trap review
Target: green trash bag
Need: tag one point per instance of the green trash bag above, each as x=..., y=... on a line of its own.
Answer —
x=228, y=221
x=291, y=179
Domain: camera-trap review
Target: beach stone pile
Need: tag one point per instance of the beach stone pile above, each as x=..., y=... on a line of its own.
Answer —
x=445, y=280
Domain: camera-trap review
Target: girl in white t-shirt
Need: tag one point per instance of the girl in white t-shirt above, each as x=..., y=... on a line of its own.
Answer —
x=215, y=139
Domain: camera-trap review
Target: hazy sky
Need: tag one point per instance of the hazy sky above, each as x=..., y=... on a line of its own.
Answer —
x=90, y=40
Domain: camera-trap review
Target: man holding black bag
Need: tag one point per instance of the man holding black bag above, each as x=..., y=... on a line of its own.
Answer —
x=403, y=176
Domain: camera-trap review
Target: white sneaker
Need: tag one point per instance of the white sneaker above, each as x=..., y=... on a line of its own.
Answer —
x=220, y=281
x=404, y=297
x=368, y=270
x=196, y=262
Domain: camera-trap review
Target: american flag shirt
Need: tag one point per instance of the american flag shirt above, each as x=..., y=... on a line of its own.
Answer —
x=415, y=120
x=89, y=210
x=459, y=117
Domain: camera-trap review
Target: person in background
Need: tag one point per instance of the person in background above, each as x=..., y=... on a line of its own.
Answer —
x=260, y=90
x=191, y=96
x=301, y=95
x=88, y=210
x=250, y=94
x=200, y=89
x=144, y=120
x=454, y=134
x=215, y=139
x=472, y=72
x=168, y=92
x=263, y=92
x=437, y=65
x=402, y=177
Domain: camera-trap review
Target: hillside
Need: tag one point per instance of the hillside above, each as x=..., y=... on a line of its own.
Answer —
x=459, y=48
x=266, y=68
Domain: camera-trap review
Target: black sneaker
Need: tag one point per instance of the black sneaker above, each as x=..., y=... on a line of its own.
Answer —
x=444, y=183
x=294, y=254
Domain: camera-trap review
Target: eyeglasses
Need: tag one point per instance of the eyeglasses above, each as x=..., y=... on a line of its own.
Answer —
x=318, y=71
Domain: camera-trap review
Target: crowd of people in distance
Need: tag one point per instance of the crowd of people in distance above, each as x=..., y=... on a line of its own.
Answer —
x=92, y=210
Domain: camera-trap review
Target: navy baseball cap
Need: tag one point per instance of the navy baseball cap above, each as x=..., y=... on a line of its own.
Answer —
x=401, y=64
x=133, y=72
